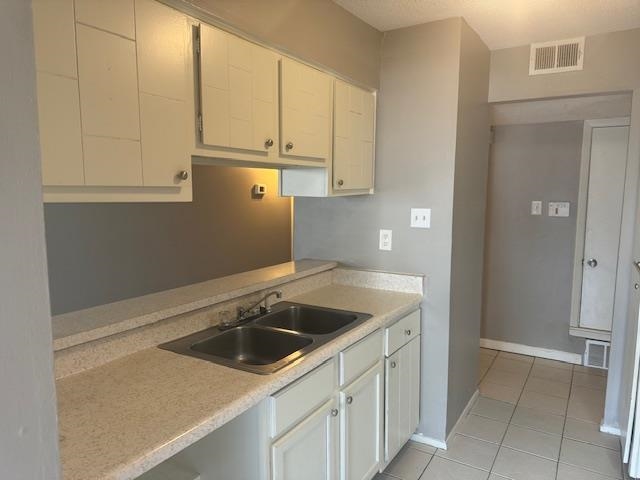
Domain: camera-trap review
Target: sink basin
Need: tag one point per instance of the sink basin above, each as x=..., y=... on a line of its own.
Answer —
x=252, y=346
x=306, y=319
x=266, y=343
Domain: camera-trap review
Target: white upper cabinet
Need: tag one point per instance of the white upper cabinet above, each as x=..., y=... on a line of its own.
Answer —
x=54, y=37
x=238, y=93
x=353, y=137
x=305, y=111
x=115, y=16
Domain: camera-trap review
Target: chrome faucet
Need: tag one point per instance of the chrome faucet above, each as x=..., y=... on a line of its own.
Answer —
x=243, y=313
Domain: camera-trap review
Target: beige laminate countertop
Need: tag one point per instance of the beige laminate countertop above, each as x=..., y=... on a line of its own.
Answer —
x=121, y=419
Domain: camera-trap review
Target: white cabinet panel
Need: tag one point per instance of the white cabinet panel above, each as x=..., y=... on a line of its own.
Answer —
x=402, y=396
x=116, y=16
x=164, y=140
x=108, y=84
x=360, y=357
x=361, y=426
x=354, y=122
x=54, y=37
x=306, y=107
x=112, y=161
x=238, y=89
x=161, y=35
x=309, y=450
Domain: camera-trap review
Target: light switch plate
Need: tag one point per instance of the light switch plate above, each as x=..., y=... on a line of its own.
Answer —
x=385, y=240
x=559, y=209
x=420, y=217
x=536, y=207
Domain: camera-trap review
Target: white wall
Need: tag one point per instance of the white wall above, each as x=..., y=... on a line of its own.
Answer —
x=28, y=429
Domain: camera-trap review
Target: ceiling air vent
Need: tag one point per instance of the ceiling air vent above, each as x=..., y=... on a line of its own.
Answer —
x=557, y=56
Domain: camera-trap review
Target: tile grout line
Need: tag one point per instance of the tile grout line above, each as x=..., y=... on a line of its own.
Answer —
x=564, y=424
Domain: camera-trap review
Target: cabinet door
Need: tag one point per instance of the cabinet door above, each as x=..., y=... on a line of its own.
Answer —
x=238, y=92
x=402, y=370
x=354, y=121
x=306, y=110
x=54, y=37
x=161, y=35
x=115, y=16
x=361, y=426
x=309, y=450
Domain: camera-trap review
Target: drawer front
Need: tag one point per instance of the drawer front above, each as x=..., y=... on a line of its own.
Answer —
x=401, y=332
x=360, y=357
x=296, y=401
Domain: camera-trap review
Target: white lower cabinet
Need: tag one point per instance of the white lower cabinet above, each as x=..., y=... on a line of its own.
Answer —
x=310, y=448
x=361, y=426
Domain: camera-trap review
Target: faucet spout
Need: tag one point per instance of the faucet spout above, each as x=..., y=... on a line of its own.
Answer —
x=243, y=313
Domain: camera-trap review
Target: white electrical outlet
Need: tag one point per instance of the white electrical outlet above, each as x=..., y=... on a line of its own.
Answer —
x=420, y=217
x=536, y=207
x=385, y=240
x=559, y=209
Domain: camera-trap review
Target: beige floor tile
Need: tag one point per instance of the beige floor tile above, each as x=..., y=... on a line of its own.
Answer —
x=382, y=476
x=543, y=402
x=545, y=362
x=517, y=465
x=516, y=356
x=485, y=360
x=581, y=392
x=481, y=373
x=569, y=472
x=495, y=476
x=482, y=428
x=469, y=451
x=494, y=409
x=511, y=366
x=541, y=385
x=586, y=404
x=499, y=392
x=590, y=433
x=408, y=464
x=551, y=373
x=589, y=380
x=515, y=380
x=443, y=469
x=591, y=457
x=423, y=447
x=594, y=371
x=538, y=420
x=489, y=351
x=532, y=441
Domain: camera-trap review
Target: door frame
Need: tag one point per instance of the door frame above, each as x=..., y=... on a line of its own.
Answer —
x=581, y=222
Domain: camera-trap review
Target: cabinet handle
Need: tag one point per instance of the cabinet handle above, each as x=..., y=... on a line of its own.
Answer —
x=407, y=332
x=289, y=146
x=334, y=412
x=183, y=175
x=349, y=400
x=394, y=364
x=340, y=182
x=268, y=143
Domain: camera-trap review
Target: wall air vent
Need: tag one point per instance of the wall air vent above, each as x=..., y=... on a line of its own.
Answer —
x=557, y=56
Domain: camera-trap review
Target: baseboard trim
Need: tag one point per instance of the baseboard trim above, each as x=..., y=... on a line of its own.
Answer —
x=418, y=437
x=610, y=429
x=568, y=357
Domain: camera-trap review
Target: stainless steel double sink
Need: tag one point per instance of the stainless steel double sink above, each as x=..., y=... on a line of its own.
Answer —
x=269, y=342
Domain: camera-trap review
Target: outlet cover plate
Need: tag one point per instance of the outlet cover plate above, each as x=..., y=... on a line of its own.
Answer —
x=385, y=240
x=559, y=209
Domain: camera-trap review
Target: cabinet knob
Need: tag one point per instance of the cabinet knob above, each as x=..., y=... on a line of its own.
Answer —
x=592, y=262
x=334, y=412
x=407, y=332
x=183, y=175
x=349, y=400
x=268, y=143
x=340, y=182
x=394, y=364
x=289, y=146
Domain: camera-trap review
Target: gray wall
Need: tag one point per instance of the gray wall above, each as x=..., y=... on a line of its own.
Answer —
x=318, y=31
x=529, y=259
x=469, y=200
x=611, y=64
x=100, y=253
x=415, y=164
x=28, y=428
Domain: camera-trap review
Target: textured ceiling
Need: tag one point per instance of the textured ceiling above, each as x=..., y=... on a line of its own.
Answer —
x=505, y=23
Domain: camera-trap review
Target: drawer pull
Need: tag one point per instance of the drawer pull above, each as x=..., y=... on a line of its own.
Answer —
x=334, y=412
x=394, y=364
x=349, y=400
x=407, y=332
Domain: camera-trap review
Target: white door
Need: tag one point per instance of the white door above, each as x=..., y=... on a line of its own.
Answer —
x=602, y=231
x=309, y=450
x=361, y=426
